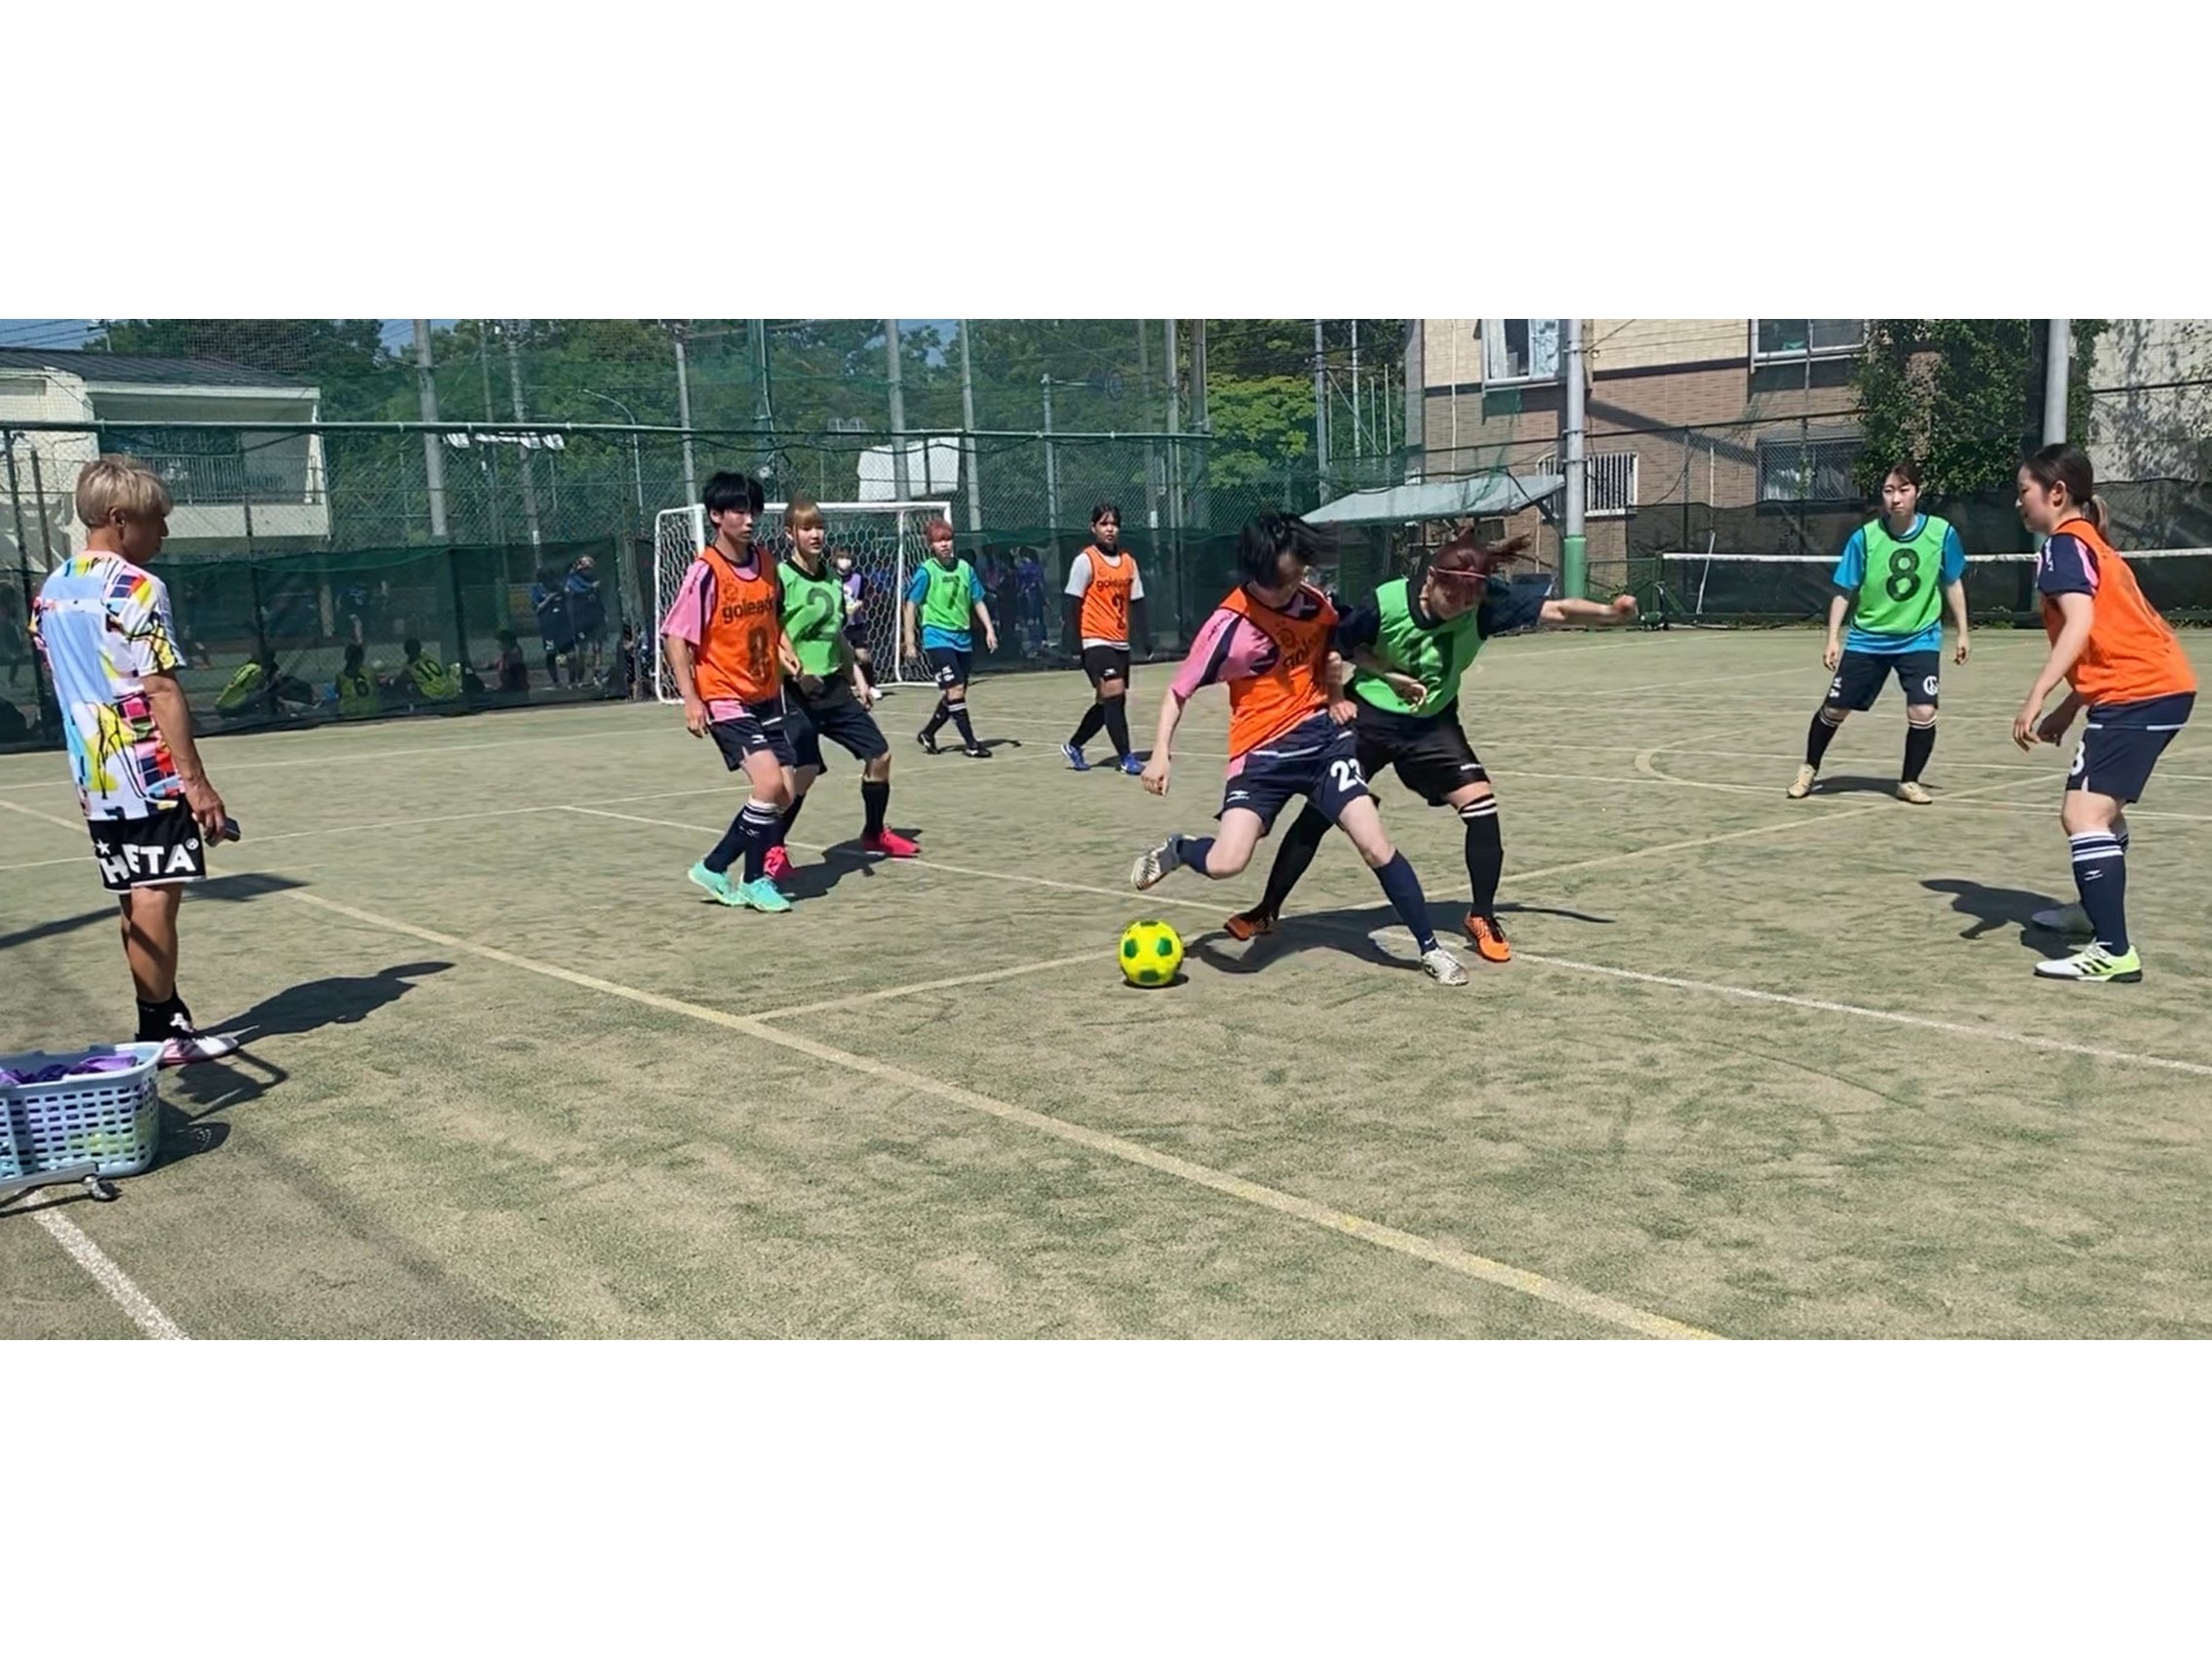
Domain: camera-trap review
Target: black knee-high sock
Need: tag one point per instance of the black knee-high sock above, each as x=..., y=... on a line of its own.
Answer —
x=1292, y=859
x=1818, y=736
x=959, y=713
x=874, y=801
x=1403, y=890
x=1485, y=853
x=757, y=828
x=791, y=815
x=732, y=844
x=1118, y=725
x=1919, y=744
x=2100, y=873
x=867, y=671
x=1088, y=727
x=937, y=718
x=1191, y=851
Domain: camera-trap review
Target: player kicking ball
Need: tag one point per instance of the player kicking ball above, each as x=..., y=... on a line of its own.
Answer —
x=1413, y=641
x=1269, y=641
x=942, y=601
x=829, y=696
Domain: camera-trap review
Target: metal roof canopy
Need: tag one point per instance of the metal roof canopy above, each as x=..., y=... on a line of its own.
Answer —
x=1488, y=495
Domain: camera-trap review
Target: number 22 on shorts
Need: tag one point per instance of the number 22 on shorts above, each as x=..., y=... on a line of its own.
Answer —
x=1347, y=775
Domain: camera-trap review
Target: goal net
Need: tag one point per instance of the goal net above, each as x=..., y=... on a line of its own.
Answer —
x=884, y=538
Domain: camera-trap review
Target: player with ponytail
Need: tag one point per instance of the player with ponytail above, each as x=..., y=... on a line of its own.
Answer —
x=1411, y=643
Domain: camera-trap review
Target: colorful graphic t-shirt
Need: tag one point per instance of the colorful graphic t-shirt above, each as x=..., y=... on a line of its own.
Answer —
x=103, y=624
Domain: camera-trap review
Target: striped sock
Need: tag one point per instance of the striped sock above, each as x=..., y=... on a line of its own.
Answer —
x=759, y=825
x=1485, y=851
x=2100, y=873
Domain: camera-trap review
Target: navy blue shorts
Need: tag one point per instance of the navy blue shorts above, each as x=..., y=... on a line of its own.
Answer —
x=755, y=731
x=1862, y=674
x=2123, y=741
x=1316, y=760
x=947, y=666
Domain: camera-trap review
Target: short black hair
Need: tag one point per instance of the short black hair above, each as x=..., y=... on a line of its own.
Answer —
x=727, y=490
x=1261, y=544
x=1102, y=509
x=413, y=648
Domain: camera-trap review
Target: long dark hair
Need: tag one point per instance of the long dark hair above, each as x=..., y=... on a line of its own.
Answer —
x=1261, y=544
x=2055, y=464
x=1468, y=558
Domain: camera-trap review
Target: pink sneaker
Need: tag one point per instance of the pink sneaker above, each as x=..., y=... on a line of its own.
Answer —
x=776, y=865
x=889, y=843
x=190, y=1050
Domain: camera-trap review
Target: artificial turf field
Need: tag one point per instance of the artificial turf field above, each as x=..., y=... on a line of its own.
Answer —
x=1760, y=1068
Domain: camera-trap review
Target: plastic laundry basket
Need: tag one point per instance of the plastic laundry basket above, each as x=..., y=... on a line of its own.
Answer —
x=105, y=1124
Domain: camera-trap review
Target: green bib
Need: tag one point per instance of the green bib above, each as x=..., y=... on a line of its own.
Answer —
x=1902, y=591
x=949, y=602
x=1437, y=656
x=813, y=620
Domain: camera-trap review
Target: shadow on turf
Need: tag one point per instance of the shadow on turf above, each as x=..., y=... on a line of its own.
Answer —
x=1858, y=786
x=1994, y=908
x=1350, y=933
x=227, y=890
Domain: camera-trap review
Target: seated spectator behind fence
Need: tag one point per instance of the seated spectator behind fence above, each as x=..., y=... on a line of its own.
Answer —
x=426, y=680
x=356, y=690
x=261, y=682
x=512, y=671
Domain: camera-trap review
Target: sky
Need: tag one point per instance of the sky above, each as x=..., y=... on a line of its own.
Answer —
x=68, y=334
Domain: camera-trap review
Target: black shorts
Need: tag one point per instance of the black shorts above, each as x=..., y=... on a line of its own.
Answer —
x=947, y=666
x=157, y=851
x=1316, y=760
x=840, y=718
x=2123, y=741
x=1431, y=752
x=1858, y=677
x=1107, y=663
x=755, y=731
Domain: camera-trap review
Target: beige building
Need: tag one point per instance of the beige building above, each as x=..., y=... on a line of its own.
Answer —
x=1682, y=413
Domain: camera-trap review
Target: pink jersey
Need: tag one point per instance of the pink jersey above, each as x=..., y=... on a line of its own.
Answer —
x=1271, y=660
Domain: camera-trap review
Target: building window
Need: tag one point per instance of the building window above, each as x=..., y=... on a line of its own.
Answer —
x=1791, y=340
x=1608, y=480
x=1813, y=470
x=1519, y=352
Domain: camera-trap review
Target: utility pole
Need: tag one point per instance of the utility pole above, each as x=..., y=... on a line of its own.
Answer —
x=1358, y=446
x=529, y=484
x=764, y=411
x=1321, y=412
x=1174, y=428
x=1151, y=423
x=433, y=449
x=684, y=414
x=1051, y=470
x=968, y=424
x=488, y=454
x=2056, y=349
x=1574, y=573
x=900, y=480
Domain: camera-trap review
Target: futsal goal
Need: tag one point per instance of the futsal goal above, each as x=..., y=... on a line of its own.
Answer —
x=884, y=538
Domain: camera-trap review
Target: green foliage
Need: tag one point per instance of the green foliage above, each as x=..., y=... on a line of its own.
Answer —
x=307, y=346
x=1962, y=396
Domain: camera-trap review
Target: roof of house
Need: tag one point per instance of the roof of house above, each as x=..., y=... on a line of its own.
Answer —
x=1440, y=498
x=116, y=368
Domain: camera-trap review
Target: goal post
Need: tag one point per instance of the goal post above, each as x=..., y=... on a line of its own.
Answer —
x=884, y=538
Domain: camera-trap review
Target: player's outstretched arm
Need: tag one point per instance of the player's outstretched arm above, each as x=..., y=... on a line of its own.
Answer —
x=1588, y=613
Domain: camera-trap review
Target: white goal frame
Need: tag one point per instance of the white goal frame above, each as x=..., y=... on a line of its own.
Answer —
x=678, y=533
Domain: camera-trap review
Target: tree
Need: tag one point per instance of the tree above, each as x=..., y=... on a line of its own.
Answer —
x=307, y=346
x=1964, y=397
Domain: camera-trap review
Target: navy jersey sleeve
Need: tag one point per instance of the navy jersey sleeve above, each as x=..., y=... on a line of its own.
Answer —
x=2067, y=565
x=1357, y=625
x=1508, y=605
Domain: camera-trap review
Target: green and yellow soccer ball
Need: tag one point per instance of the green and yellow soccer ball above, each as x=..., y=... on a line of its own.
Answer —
x=1151, y=954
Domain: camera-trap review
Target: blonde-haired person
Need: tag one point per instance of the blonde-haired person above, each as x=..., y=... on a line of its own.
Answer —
x=103, y=625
